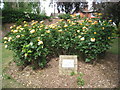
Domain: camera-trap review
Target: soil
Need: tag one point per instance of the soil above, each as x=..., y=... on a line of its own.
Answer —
x=104, y=74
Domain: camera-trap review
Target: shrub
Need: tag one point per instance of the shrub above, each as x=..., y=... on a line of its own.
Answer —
x=34, y=42
x=13, y=16
x=68, y=16
x=65, y=16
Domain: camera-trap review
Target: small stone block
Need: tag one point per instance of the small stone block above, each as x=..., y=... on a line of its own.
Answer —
x=67, y=64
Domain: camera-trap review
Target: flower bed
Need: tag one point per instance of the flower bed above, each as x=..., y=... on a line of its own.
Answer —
x=33, y=42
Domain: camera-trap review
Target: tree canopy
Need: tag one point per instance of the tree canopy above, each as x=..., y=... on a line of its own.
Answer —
x=110, y=10
x=70, y=7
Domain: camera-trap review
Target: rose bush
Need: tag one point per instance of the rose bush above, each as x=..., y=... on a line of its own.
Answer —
x=34, y=42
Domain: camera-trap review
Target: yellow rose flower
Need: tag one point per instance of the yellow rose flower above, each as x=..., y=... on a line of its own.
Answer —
x=110, y=20
x=81, y=20
x=33, y=23
x=95, y=22
x=79, y=36
x=21, y=28
x=108, y=37
x=68, y=20
x=59, y=30
x=46, y=27
x=42, y=34
x=61, y=20
x=11, y=27
x=89, y=20
x=25, y=25
x=74, y=15
x=24, y=22
x=41, y=22
x=92, y=39
x=48, y=31
x=103, y=28
x=73, y=23
x=65, y=25
x=14, y=25
x=81, y=24
x=95, y=33
x=33, y=20
x=18, y=27
x=22, y=35
x=84, y=27
x=99, y=14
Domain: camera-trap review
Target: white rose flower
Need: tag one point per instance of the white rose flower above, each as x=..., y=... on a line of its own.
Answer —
x=40, y=42
x=22, y=28
x=31, y=43
x=78, y=31
x=82, y=39
x=11, y=27
x=6, y=46
x=18, y=36
x=5, y=41
x=9, y=39
x=15, y=31
x=92, y=39
x=5, y=38
x=26, y=54
x=32, y=31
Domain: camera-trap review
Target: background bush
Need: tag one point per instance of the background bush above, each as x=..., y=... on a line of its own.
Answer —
x=65, y=16
x=12, y=16
x=34, y=42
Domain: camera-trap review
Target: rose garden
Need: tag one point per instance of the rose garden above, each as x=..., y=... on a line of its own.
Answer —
x=35, y=47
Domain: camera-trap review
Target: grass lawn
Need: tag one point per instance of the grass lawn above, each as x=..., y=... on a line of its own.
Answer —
x=115, y=47
x=8, y=81
x=7, y=56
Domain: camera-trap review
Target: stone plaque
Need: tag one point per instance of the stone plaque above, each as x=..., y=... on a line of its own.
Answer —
x=67, y=64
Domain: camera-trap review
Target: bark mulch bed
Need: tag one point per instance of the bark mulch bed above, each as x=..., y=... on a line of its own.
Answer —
x=102, y=75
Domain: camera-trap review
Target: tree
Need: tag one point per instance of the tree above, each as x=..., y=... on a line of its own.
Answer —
x=29, y=7
x=110, y=10
x=70, y=7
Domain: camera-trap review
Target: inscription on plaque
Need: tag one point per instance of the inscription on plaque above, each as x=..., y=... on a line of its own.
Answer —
x=68, y=63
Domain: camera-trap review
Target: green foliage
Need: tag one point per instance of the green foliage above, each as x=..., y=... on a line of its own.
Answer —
x=12, y=16
x=72, y=73
x=6, y=76
x=80, y=80
x=34, y=42
x=23, y=6
x=65, y=16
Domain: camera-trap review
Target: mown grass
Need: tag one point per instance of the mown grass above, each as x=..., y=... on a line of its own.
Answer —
x=8, y=81
x=7, y=56
x=115, y=49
